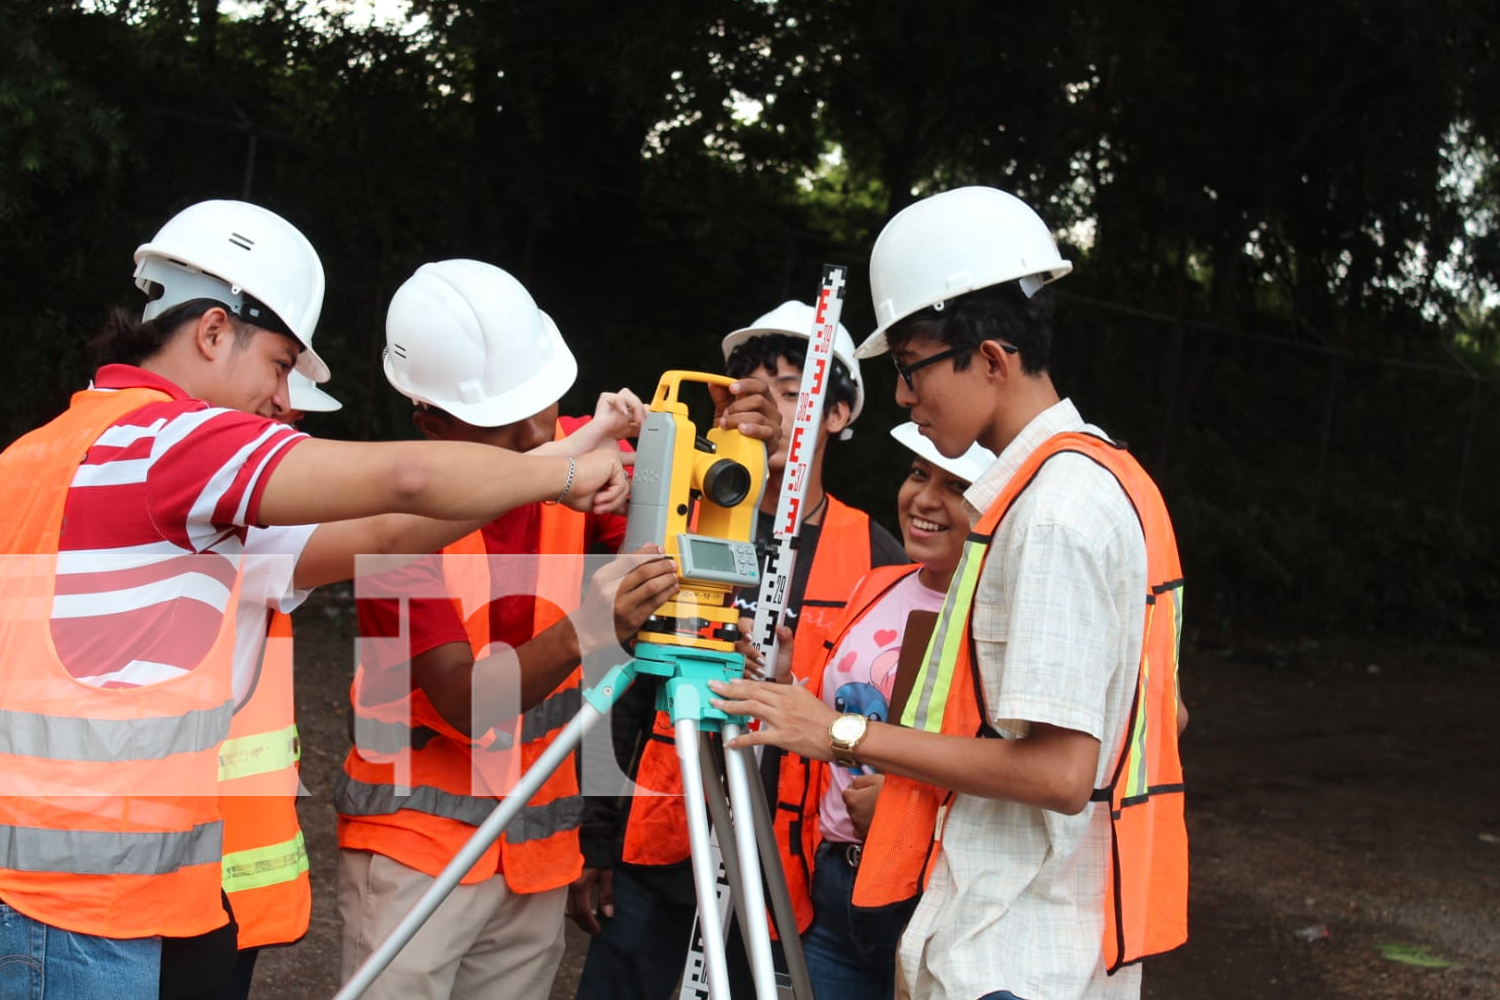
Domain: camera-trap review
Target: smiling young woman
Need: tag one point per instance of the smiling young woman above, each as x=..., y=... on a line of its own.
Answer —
x=824, y=811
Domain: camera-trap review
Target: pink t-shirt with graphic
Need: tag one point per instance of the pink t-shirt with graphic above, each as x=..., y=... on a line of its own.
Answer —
x=859, y=678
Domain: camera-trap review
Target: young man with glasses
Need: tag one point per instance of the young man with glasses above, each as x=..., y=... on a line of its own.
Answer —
x=1034, y=784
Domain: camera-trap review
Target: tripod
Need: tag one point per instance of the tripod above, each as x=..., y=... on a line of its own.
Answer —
x=685, y=675
x=703, y=483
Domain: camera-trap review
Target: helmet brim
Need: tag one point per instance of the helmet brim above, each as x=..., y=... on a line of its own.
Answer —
x=310, y=399
x=313, y=366
x=873, y=346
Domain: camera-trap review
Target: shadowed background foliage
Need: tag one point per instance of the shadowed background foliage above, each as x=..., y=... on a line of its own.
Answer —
x=1282, y=218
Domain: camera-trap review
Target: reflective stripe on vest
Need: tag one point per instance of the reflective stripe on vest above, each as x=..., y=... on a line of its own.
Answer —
x=381, y=737
x=105, y=852
x=534, y=822
x=424, y=825
x=1146, y=885
x=656, y=826
x=108, y=820
x=265, y=868
x=103, y=741
x=555, y=711
x=927, y=704
x=260, y=867
x=263, y=753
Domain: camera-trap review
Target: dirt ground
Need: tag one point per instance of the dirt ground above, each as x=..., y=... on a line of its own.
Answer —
x=1351, y=787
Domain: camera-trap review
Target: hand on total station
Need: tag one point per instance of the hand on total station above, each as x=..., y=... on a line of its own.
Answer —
x=748, y=407
x=755, y=660
x=859, y=801
x=625, y=591
x=619, y=414
x=581, y=904
x=599, y=483
x=790, y=717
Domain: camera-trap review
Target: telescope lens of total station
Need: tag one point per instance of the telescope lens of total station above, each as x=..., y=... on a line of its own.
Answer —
x=726, y=482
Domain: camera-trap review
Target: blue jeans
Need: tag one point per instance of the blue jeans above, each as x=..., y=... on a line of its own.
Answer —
x=39, y=962
x=851, y=954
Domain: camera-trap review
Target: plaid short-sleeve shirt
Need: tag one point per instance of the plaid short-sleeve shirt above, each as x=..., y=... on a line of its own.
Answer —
x=1015, y=901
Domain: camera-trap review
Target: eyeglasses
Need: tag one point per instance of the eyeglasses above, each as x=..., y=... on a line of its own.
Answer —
x=906, y=371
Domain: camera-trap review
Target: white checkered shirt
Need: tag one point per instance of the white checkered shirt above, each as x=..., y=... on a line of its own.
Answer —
x=1016, y=896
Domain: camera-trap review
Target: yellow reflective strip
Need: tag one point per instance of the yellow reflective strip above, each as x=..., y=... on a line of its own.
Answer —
x=929, y=698
x=259, y=753
x=1134, y=774
x=263, y=866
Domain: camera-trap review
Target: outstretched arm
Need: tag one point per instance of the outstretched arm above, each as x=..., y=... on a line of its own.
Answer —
x=1051, y=767
x=320, y=481
x=330, y=553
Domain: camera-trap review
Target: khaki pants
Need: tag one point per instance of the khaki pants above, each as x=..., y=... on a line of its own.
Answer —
x=483, y=941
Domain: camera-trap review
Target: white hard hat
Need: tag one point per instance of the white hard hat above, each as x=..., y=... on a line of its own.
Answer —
x=307, y=397
x=466, y=337
x=796, y=319
x=969, y=466
x=245, y=256
x=956, y=242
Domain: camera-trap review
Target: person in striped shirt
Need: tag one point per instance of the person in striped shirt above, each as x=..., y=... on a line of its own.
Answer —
x=143, y=491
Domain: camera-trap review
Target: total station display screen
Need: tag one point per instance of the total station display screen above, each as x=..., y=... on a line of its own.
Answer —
x=707, y=559
x=712, y=555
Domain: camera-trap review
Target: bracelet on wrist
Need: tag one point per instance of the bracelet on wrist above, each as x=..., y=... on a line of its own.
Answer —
x=568, y=485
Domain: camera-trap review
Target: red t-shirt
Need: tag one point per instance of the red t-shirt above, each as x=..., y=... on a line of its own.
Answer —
x=434, y=623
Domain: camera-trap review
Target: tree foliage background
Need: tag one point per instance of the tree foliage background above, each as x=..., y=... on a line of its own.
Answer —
x=1282, y=216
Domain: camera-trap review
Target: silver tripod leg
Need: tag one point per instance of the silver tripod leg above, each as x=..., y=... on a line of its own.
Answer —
x=705, y=878
x=488, y=832
x=738, y=770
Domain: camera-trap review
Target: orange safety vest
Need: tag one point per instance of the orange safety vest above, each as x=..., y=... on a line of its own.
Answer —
x=656, y=826
x=425, y=825
x=804, y=781
x=109, y=819
x=1146, y=882
x=265, y=858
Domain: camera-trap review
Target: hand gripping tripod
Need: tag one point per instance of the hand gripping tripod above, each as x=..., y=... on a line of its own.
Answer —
x=697, y=497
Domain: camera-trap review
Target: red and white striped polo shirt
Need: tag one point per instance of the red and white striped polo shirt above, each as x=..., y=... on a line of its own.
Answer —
x=153, y=528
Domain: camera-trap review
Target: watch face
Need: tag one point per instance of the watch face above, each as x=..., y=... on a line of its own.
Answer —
x=847, y=727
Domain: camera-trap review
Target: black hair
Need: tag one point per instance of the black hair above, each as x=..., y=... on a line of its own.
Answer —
x=128, y=340
x=765, y=350
x=998, y=312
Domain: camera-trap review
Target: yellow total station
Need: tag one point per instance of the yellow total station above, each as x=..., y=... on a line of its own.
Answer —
x=696, y=496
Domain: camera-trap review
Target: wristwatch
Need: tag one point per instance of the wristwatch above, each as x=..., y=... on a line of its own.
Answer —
x=844, y=735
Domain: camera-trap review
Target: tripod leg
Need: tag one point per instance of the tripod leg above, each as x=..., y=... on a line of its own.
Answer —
x=781, y=900
x=795, y=984
x=704, y=877
x=742, y=790
x=606, y=693
x=722, y=822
